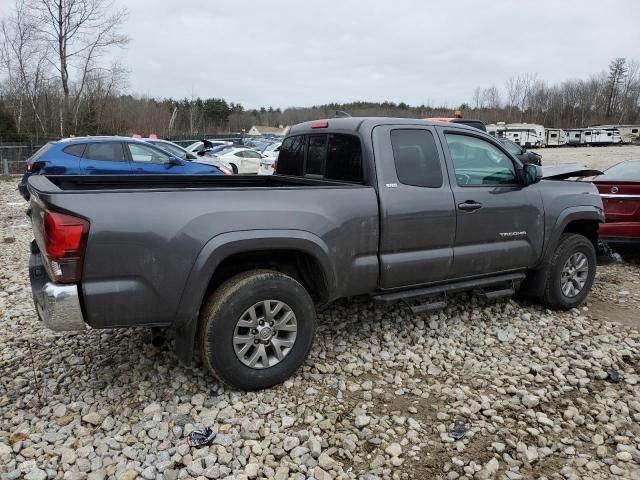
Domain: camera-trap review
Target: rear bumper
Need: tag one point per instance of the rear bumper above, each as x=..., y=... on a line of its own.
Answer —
x=58, y=306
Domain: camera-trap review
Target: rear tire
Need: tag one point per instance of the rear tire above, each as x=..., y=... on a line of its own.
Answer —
x=567, y=283
x=235, y=329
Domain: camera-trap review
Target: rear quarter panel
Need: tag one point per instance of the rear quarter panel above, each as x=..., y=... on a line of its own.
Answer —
x=56, y=162
x=143, y=245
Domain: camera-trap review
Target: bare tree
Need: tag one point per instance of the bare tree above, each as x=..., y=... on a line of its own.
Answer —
x=79, y=32
x=24, y=58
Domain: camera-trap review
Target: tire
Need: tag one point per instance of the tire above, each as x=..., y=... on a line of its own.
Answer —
x=234, y=168
x=226, y=315
x=571, y=246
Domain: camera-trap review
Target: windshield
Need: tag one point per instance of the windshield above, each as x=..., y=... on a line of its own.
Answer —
x=272, y=147
x=512, y=147
x=171, y=148
x=622, y=172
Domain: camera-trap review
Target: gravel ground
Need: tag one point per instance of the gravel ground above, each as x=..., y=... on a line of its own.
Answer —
x=594, y=157
x=539, y=394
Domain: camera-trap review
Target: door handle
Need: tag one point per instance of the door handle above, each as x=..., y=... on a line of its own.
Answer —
x=90, y=168
x=469, y=206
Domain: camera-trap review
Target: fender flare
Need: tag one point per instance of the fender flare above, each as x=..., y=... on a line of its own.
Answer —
x=568, y=215
x=533, y=283
x=220, y=247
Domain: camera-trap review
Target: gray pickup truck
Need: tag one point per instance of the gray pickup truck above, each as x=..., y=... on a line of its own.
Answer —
x=397, y=209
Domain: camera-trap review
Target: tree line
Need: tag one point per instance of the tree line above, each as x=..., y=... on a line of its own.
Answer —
x=53, y=82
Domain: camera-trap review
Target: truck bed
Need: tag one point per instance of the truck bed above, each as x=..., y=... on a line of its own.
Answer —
x=150, y=234
x=68, y=183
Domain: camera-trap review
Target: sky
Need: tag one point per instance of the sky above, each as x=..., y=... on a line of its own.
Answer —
x=284, y=53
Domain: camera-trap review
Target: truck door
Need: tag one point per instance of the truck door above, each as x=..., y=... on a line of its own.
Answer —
x=500, y=222
x=418, y=219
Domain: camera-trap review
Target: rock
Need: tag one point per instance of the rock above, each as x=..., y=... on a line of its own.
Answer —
x=624, y=456
x=326, y=462
x=530, y=401
x=251, y=470
x=36, y=474
x=362, y=421
x=394, y=449
x=93, y=418
x=488, y=470
x=289, y=443
x=498, y=447
x=288, y=422
x=282, y=473
x=597, y=439
x=320, y=474
x=149, y=473
x=5, y=452
x=128, y=475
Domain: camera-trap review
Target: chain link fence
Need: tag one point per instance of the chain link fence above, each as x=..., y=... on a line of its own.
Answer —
x=13, y=157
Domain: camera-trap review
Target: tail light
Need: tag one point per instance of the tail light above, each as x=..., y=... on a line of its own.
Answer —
x=64, y=237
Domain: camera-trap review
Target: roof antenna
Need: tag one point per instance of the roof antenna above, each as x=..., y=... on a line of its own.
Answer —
x=341, y=114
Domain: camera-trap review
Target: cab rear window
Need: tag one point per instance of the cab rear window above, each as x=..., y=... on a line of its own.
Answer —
x=331, y=156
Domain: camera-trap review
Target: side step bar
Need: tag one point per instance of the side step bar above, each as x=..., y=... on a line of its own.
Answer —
x=493, y=294
x=452, y=288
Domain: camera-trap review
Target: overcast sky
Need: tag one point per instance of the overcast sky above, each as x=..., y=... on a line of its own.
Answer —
x=300, y=53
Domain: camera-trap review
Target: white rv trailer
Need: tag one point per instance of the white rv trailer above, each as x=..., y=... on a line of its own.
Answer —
x=593, y=136
x=602, y=136
x=628, y=133
x=574, y=136
x=496, y=129
x=535, y=136
x=555, y=137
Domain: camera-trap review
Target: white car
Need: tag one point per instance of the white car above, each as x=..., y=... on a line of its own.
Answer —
x=196, y=147
x=184, y=154
x=272, y=150
x=269, y=159
x=241, y=160
x=267, y=166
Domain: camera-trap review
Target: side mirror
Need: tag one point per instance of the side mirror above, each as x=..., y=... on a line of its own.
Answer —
x=532, y=173
x=174, y=162
x=201, y=153
x=191, y=156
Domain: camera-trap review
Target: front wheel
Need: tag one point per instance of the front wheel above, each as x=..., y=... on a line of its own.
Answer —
x=256, y=329
x=234, y=168
x=570, y=274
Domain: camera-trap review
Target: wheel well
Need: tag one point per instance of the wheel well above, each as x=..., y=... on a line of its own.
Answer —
x=297, y=264
x=587, y=228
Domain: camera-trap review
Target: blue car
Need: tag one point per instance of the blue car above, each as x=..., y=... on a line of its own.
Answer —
x=107, y=156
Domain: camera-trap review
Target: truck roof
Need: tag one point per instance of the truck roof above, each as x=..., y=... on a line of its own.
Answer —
x=361, y=123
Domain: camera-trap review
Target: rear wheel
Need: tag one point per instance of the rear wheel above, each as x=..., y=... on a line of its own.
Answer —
x=571, y=272
x=256, y=330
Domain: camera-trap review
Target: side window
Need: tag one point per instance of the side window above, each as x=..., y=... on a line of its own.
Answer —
x=416, y=158
x=76, y=150
x=251, y=154
x=146, y=154
x=106, y=151
x=344, y=159
x=316, y=154
x=478, y=162
x=239, y=154
x=291, y=158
